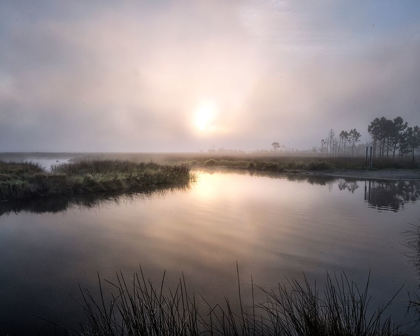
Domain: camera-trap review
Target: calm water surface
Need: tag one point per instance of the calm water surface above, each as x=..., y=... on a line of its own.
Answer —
x=45, y=161
x=273, y=226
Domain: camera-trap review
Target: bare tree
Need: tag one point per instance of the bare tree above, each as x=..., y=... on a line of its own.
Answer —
x=344, y=137
x=331, y=135
x=354, y=136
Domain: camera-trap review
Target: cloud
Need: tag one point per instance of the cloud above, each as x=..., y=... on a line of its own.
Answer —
x=129, y=76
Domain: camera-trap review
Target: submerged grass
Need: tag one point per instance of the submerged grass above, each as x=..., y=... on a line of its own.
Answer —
x=26, y=180
x=140, y=308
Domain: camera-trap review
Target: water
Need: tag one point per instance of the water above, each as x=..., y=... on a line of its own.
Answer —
x=273, y=226
x=45, y=160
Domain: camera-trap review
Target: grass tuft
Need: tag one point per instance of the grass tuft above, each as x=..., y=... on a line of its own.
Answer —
x=138, y=307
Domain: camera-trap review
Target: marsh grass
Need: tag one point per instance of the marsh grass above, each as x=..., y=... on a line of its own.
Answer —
x=263, y=161
x=281, y=164
x=13, y=169
x=110, y=166
x=268, y=165
x=268, y=161
x=28, y=180
x=138, y=307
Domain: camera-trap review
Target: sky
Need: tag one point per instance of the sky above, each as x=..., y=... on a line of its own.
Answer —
x=184, y=76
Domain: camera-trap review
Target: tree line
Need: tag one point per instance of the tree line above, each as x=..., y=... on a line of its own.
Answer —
x=393, y=136
x=390, y=137
x=340, y=146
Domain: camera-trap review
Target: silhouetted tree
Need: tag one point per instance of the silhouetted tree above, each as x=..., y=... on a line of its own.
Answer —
x=343, y=140
x=410, y=140
x=330, y=141
x=354, y=137
x=322, y=146
x=390, y=135
x=275, y=145
x=381, y=131
x=397, y=133
x=374, y=130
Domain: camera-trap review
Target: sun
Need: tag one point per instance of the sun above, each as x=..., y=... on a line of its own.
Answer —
x=205, y=114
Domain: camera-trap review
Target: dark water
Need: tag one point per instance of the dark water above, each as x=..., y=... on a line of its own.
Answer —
x=273, y=226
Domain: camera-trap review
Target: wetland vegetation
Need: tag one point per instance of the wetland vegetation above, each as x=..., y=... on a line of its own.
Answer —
x=22, y=180
x=271, y=161
x=139, y=307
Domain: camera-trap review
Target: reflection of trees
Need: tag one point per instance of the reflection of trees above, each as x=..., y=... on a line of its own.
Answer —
x=312, y=179
x=290, y=176
x=391, y=195
x=57, y=204
x=351, y=186
x=382, y=195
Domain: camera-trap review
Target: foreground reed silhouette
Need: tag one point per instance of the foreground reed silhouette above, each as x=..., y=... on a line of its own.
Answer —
x=141, y=308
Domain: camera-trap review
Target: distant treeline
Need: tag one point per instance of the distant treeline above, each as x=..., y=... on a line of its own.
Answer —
x=389, y=138
x=341, y=146
x=393, y=136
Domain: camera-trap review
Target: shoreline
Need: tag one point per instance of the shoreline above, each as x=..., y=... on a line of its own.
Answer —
x=380, y=174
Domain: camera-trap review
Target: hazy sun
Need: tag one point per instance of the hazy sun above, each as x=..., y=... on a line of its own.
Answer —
x=205, y=114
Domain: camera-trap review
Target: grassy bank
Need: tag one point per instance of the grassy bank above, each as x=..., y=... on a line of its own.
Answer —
x=284, y=163
x=27, y=180
x=263, y=161
x=298, y=309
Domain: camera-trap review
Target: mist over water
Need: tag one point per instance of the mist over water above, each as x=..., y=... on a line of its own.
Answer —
x=273, y=226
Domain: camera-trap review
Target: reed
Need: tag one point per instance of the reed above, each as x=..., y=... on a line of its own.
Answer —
x=138, y=307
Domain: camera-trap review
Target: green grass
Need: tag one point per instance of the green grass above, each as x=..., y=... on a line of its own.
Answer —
x=27, y=180
x=138, y=307
x=276, y=165
x=282, y=164
x=264, y=161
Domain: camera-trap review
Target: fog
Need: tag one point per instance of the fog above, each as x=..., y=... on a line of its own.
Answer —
x=153, y=76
